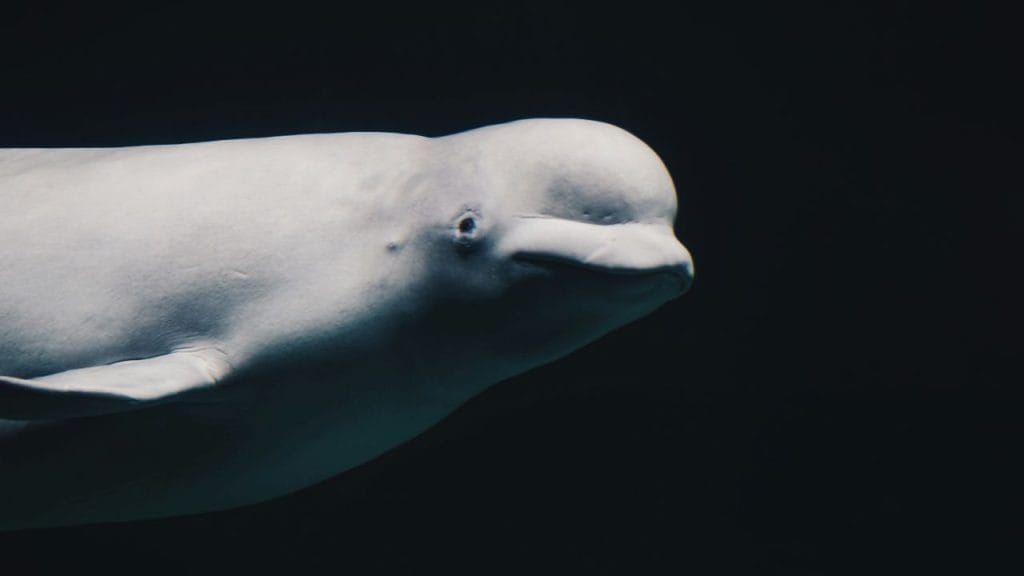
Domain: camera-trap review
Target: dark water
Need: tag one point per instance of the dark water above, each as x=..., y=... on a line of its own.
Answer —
x=833, y=395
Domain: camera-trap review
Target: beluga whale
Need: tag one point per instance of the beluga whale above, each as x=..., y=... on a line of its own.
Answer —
x=194, y=327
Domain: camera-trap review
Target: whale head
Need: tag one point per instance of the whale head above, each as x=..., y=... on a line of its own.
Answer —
x=547, y=234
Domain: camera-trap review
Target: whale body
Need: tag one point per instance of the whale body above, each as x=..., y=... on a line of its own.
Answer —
x=193, y=327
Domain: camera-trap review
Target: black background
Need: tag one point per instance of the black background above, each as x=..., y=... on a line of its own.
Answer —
x=835, y=394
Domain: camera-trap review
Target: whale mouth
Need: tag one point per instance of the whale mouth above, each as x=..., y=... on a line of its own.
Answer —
x=553, y=261
x=674, y=279
x=623, y=250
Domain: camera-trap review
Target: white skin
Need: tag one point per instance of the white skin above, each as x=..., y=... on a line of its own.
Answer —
x=353, y=288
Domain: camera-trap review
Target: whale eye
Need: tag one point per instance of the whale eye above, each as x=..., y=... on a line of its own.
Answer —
x=467, y=225
x=467, y=230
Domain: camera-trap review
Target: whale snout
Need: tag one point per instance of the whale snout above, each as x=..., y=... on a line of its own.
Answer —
x=683, y=269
